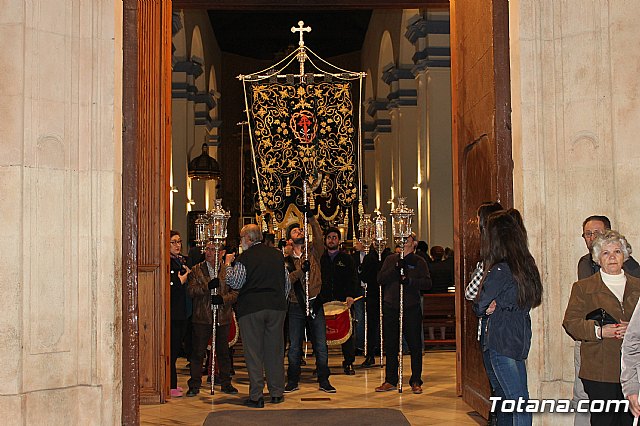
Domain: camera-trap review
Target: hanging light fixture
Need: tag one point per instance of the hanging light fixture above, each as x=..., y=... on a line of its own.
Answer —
x=204, y=167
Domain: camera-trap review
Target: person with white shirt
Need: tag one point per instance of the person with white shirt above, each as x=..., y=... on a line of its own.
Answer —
x=616, y=292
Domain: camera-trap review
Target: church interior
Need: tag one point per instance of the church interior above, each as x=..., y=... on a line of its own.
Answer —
x=106, y=105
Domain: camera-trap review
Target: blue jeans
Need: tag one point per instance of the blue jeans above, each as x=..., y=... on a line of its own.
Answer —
x=318, y=328
x=508, y=378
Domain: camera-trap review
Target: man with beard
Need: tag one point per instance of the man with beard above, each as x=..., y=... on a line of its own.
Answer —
x=263, y=282
x=297, y=308
x=339, y=282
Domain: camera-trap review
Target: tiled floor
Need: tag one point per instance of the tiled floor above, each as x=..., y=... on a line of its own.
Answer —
x=438, y=405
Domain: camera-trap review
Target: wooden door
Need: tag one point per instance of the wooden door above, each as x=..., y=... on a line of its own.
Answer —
x=154, y=103
x=483, y=168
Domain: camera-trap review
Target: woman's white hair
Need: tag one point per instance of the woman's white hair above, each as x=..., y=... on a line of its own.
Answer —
x=610, y=236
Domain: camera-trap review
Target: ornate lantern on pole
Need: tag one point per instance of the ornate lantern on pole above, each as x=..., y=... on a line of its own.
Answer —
x=367, y=231
x=217, y=233
x=380, y=236
x=401, y=218
x=201, y=228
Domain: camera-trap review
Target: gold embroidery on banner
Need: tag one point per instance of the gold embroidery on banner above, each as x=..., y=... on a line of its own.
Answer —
x=304, y=130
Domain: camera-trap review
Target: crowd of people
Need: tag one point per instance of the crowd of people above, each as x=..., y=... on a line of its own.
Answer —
x=275, y=309
x=277, y=312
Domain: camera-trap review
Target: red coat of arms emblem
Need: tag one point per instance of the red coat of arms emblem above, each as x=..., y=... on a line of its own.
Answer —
x=304, y=126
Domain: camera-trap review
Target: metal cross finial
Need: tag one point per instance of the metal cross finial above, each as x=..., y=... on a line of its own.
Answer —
x=301, y=29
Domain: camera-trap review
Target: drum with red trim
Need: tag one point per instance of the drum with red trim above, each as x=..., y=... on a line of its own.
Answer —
x=338, y=318
x=234, y=330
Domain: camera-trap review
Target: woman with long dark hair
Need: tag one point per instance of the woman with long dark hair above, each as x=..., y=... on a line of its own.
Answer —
x=513, y=282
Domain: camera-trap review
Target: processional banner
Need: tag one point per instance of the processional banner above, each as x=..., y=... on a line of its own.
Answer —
x=304, y=131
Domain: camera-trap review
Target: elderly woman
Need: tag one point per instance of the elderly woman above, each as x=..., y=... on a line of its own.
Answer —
x=617, y=293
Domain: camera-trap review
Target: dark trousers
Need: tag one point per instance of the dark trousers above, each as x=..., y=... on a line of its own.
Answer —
x=373, y=326
x=178, y=330
x=606, y=391
x=201, y=336
x=412, y=328
x=349, y=351
x=263, y=342
x=318, y=337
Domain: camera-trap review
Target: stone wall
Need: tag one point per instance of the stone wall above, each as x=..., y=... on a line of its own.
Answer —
x=575, y=98
x=60, y=179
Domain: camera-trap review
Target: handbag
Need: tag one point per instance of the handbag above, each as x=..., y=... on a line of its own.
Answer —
x=601, y=316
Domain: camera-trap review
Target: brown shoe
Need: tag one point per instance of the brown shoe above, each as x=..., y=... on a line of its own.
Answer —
x=385, y=387
x=416, y=388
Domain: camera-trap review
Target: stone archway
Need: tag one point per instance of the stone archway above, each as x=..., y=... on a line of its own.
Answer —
x=146, y=142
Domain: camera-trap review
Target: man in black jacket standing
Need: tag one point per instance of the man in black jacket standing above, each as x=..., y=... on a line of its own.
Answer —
x=416, y=277
x=260, y=275
x=368, y=266
x=339, y=282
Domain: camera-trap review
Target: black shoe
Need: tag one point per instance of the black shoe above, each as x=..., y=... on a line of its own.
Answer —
x=348, y=370
x=229, y=389
x=254, y=404
x=369, y=362
x=290, y=387
x=277, y=399
x=193, y=392
x=326, y=387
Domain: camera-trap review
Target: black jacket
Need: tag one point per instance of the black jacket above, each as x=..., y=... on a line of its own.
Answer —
x=180, y=309
x=508, y=328
x=441, y=272
x=264, y=287
x=389, y=276
x=339, y=277
x=368, y=271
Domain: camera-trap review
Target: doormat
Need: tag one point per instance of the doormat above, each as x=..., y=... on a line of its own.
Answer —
x=326, y=417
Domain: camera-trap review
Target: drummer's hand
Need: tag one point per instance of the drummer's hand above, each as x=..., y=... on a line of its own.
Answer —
x=350, y=301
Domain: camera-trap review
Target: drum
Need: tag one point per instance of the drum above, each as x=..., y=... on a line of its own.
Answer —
x=338, y=319
x=234, y=330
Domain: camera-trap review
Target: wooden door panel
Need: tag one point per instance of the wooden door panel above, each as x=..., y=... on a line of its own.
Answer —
x=483, y=168
x=154, y=102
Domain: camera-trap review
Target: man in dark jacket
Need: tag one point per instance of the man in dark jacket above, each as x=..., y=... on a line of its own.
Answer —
x=339, y=282
x=591, y=228
x=202, y=280
x=263, y=283
x=416, y=276
x=368, y=266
